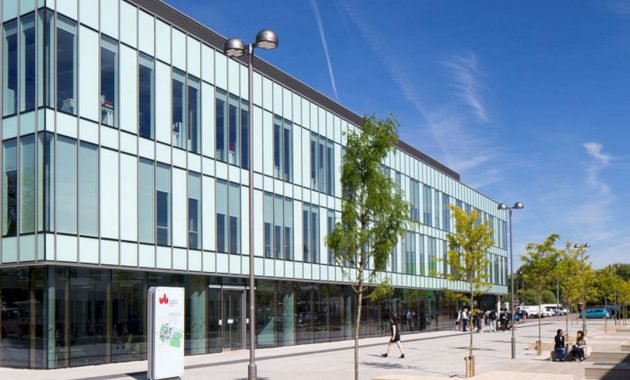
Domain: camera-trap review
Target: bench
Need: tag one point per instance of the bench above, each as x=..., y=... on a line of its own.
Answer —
x=609, y=357
x=619, y=371
x=588, y=351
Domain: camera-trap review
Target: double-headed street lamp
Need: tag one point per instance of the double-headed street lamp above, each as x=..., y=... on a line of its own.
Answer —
x=234, y=47
x=582, y=247
x=517, y=206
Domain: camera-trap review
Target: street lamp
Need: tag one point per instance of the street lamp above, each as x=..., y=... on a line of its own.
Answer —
x=582, y=247
x=234, y=47
x=517, y=206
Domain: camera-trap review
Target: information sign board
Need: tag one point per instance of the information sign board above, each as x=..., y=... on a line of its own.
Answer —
x=165, y=332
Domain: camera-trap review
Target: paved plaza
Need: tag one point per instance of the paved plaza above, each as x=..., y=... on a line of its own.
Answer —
x=428, y=355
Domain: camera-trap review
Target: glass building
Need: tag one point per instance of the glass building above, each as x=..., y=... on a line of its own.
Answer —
x=125, y=156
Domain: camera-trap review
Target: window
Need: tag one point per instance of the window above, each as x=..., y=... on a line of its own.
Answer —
x=427, y=206
x=310, y=231
x=278, y=227
x=9, y=69
x=88, y=189
x=322, y=164
x=414, y=198
x=146, y=96
x=235, y=212
x=109, y=75
x=9, y=188
x=27, y=184
x=330, y=219
x=436, y=210
x=220, y=120
x=163, y=204
x=179, y=107
x=46, y=168
x=233, y=130
x=288, y=229
x=28, y=58
x=410, y=253
x=268, y=224
x=445, y=256
x=446, y=212
x=46, y=60
x=66, y=65
x=421, y=255
x=244, y=134
x=433, y=259
x=66, y=185
x=228, y=209
x=193, y=114
x=282, y=148
x=146, y=203
x=194, y=210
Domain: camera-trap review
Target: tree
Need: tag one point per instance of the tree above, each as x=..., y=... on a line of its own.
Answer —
x=539, y=265
x=606, y=283
x=468, y=257
x=373, y=215
x=567, y=269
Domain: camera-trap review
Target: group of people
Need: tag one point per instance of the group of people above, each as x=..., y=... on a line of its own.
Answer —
x=577, y=351
x=479, y=321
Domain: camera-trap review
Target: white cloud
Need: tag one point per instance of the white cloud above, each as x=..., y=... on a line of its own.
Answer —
x=468, y=76
x=600, y=160
x=322, y=35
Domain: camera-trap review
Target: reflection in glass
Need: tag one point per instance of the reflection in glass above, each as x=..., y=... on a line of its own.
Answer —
x=109, y=72
x=27, y=184
x=179, y=99
x=9, y=68
x=233, y=127
x=128, y=316
x=220, y=121
x=28, y=59
x=88, y=189
x=163, y=204
x=9, y=188
x=146, y=204
x=193, y=114
x=221, y=207
x=66, y=185
x=244, y=135
x=194, y=210
x=146, y=96
x=66, y=65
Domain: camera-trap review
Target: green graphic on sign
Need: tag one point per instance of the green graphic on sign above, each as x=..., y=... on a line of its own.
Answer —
x=170, y=335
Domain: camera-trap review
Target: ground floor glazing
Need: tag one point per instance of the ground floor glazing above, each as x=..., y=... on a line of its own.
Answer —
x=58, y=316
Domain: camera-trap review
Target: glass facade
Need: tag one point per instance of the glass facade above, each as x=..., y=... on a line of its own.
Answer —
x=126, y=154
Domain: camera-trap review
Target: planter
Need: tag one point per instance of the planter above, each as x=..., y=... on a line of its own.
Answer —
x=470, y=366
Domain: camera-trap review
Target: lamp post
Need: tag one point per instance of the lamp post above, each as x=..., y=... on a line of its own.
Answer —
x=582, y=247
x=517, y=206
x=234, y=47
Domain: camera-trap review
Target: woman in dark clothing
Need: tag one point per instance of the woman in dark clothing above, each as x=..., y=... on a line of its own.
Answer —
x=559, y=348
x=395, y=338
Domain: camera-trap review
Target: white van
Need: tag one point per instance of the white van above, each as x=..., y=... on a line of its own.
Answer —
x=553, y=309
x=532, y=311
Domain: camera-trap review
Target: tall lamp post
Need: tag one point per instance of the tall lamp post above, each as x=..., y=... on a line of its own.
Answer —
x=517, y=206
x=582, y=247
x=234, y=47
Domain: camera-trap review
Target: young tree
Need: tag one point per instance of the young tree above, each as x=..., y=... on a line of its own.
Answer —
x=373, y=216
x=567, y=270
x=606, y=283
x=468, y=256
x=539, y=265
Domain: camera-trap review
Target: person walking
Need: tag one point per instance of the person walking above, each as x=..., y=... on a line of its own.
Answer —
x=395, y=337
x=464, y=319
x=492, y=321
x=458, y=321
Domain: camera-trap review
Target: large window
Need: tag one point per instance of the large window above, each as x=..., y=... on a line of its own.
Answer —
x=446, y=212
x=322, y=164
x=330, y=225
x=9, y=69
x=194, y=110
x=28, y=58
x=66, y=65
x=46, y=189
x=232, y=129
x=146, y=203
x=146, y=96
x=433, y=258
x=410, y=253
x=194, y=210
x=278, y=227
x=27, y=184
x=66, y=185
x=46, y=62
x=88, y=189
x=282, y=148
x=109, y=82
x=163, y=204
x=427, y=205
x=310, y=232
x=9, y=188
x=228, y=209
x=414, y=199
x=179, y=109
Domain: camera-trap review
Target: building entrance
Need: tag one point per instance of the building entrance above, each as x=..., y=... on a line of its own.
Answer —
x=234, y=318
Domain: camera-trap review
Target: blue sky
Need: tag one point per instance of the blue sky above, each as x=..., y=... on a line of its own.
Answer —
x=528, y=100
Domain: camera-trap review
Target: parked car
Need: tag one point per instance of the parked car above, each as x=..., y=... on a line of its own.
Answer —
x=599, y=312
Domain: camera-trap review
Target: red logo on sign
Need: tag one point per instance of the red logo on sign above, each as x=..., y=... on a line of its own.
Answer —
x=163, y=299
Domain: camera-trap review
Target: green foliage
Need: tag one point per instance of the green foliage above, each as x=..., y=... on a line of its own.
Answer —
x=374, y=214
x=468, y=254
x=622, y=270
x=606, y=282
x=384, y=290
x=531, y=297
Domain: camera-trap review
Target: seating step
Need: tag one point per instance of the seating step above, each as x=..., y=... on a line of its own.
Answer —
x=619, y=371
x=609, y=357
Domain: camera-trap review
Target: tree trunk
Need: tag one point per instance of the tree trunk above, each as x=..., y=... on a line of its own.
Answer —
x=470, y=360
x=539, y=343
x=605, y=314
x=567, y=317
x=356, y=328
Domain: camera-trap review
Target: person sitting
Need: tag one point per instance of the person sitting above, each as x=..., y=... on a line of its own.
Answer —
x=578, y=350
x=559, y=347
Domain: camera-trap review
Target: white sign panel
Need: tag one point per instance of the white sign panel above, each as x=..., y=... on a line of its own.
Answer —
x=165, y=332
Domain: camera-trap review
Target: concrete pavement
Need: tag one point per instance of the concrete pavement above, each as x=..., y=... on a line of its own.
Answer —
x=432, y=355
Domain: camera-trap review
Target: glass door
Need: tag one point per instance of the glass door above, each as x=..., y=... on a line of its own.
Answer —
x=233, y=319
